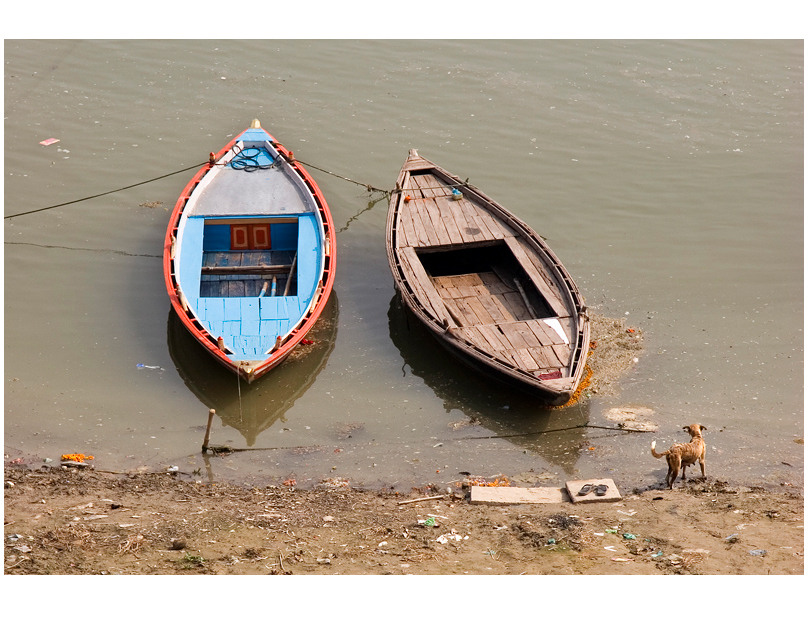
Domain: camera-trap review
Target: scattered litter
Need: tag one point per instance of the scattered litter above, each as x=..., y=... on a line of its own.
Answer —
x=76, y=457
x=609, y=548
x=551, y=541
x=630, y=512
x=655, y=555
x=696, y=551
x=731, y=539
x=444, y=539
x=50, y=141
x=306, y=341
x=151, y=367
x=382, y=544
x=599, y=534
x=96, y=517
x=757, y=553
x=621, y=559
x=23, y=548
x=611, y=531
x=629, y=536
x=173, y=469
x=328, y=518
x=14, y=537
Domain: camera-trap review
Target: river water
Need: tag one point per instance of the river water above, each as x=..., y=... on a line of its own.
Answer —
x=666, y=175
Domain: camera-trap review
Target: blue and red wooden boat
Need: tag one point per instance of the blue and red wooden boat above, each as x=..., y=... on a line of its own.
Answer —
x=249, y=255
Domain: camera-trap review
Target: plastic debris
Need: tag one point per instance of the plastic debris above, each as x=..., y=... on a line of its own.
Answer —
x=757, y=553
x=655, y=555
x=551, y=541
x=611, y=530
x=731, y=539
x=151, y=367
x=629, y=536
x=50, y=141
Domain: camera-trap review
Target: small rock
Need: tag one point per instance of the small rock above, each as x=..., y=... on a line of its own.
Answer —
x=177, y=544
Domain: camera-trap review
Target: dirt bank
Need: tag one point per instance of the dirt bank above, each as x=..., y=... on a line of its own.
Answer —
x=71, y=521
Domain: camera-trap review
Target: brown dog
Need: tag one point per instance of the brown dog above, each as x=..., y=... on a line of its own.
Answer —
x=683, y=455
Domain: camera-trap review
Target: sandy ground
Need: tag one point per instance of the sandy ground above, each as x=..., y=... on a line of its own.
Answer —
x=69, y=521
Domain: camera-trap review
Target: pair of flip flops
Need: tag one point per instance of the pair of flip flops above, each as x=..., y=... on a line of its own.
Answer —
x=599, y=490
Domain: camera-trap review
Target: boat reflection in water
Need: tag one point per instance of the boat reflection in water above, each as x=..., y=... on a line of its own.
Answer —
x=253, y=408
x=554, y=434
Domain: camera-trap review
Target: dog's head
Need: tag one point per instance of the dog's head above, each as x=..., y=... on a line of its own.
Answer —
x=694, y=430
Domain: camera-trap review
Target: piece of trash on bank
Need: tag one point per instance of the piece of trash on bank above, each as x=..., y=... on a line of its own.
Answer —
x=76, y=457
x=629, y=536
x=151, y=367
x=50, y=141
x=731, y=539
x=444, y=539
x=757, y=553
x=655, y=555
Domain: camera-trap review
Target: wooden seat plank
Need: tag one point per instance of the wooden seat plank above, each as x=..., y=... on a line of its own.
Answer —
x=424, y=283
x=550, y=296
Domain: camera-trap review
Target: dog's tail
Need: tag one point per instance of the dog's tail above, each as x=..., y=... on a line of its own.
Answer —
x=654, y=451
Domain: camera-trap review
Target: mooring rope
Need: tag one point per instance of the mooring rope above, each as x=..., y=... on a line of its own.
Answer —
x=242, y=160
x=76, y=201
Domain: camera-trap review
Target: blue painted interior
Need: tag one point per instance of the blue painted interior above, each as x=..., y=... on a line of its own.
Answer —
x=250, y=325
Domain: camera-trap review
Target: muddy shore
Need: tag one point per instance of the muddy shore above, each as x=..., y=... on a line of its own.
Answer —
x=70, y=521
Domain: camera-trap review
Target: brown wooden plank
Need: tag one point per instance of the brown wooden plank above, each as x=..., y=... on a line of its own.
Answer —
x=445, y=209
x=545, y=335
x=494, y=337
x=496, y=311
x=527, y=335
x=467, y=313
x=415, y=283
x=420, y=230
x=563, y=353
x=515, y=245
x=479, y=309
x=473, y=216
x=460, y=221
x=438, y=224
x=427, y=287
x=513, y=336
x=544, y=357
x=514, y=303
x=406, y=227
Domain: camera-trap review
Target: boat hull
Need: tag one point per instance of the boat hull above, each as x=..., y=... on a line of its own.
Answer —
x=485, y=284
x=258, y=212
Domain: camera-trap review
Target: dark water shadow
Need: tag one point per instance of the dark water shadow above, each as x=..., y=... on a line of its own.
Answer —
x=554, y=434
x=253, y=408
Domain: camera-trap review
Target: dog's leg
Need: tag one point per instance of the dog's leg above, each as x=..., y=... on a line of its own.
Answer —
x=701, y=463
x=673, y=472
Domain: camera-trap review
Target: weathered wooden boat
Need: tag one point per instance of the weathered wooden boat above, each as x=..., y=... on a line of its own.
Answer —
x=249, y=255
x=485, y=284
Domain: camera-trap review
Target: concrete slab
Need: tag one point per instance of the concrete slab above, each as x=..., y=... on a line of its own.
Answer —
x=516, y=495
x=612, y=494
